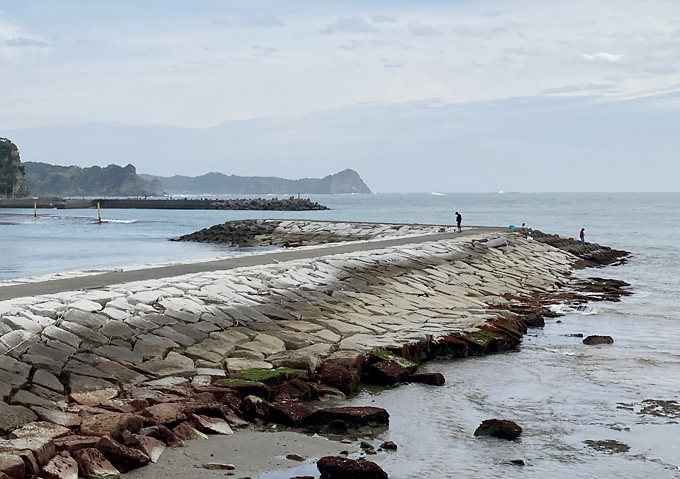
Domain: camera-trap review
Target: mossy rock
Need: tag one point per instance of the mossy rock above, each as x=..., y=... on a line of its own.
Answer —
x=237, y=383
x=246, y=387
x=272, y=377
x=483, y=337
x=365, y=431
x=412, y=366
x=609, y=446
x=510, y=326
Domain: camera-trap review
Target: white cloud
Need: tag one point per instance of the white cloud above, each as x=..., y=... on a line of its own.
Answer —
x=17, y=45
x=22, y=42
x=424, y=31
x=215, y=62
x=602, y=57
x=348, y=25
x=380, y=18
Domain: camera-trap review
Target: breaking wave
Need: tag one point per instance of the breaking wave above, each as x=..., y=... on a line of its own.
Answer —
x=567, y=309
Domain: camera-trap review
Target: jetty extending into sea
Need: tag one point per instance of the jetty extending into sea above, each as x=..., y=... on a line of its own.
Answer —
x=270, y=204
x=102, y=372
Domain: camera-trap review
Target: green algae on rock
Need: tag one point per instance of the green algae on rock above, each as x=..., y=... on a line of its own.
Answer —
x=272, y=377
x=384, y=355
x=609, y=446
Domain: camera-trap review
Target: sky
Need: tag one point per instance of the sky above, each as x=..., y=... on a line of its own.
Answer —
x=416, y=96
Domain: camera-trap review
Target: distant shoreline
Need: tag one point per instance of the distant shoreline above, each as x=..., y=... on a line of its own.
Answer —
x=269, y=204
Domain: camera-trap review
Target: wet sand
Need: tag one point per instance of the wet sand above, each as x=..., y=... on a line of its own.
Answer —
x=252, y=452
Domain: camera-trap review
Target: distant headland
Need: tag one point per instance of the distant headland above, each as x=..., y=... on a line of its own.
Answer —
x=23, y=180
x=346, y=181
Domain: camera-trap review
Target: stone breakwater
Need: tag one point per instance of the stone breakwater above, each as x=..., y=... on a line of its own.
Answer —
x=99, y=382
x=269, y=204
x=293, y=233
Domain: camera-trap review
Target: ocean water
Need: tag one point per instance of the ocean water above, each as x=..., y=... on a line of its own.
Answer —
x=561, y=392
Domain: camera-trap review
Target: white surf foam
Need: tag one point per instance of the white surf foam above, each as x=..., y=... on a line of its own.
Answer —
x=567, y=309
x=119, y=221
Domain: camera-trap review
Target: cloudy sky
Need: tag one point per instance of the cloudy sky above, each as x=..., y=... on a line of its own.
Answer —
x=427, y=95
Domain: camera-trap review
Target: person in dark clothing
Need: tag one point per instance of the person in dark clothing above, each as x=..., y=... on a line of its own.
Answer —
x=459, y=218
x=582, y=236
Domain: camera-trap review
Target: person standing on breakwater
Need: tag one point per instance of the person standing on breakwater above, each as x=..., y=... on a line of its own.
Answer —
x=459, y=218
x=582, y=236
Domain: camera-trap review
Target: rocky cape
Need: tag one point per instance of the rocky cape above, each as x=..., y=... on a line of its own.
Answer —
x=12, y=180
x=346, y=181
x=48, y=180
x=99, y=382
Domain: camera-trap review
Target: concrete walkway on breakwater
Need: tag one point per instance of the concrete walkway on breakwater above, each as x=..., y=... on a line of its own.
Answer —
x=96, y=281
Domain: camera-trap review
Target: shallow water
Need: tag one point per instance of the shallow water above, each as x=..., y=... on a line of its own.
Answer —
x=560, y=391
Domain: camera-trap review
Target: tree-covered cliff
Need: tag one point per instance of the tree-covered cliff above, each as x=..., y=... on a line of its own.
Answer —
x=12, y=182
x=53, y=180
x=346, y=181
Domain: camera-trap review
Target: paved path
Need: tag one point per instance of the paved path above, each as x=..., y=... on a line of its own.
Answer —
x=118, y=277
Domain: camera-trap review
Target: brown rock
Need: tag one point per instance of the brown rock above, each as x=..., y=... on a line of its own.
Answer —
x=125, y=405
x=75, y=443
x=218, y=466
x=61, y=466
x=255, y=407
x=341, y=468
x=150, y=446
x=42, y=448
x=93, y=465
x=249, y=388
x=387, y=373
x=163, y=434
x=123, y=458
x=212, y=425
x=289, y=414
x=205, y=396
x=354, y=417
x=293, y=390
x=452, y=347
x=167, y=413
x=187, y=432
x=433, y=379
x=321, y=391
x=388, y=446
x=500, y=428
x=353, y=360
x=112, y=424
x=12, y=466
x=232, y=418
x=338, y=376
x=596, y=340
x=40, y=429
x=30, y=463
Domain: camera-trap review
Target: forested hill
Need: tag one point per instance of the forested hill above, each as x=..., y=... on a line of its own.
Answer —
x=53, y=180
x=12, y=182
x=346, y=181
